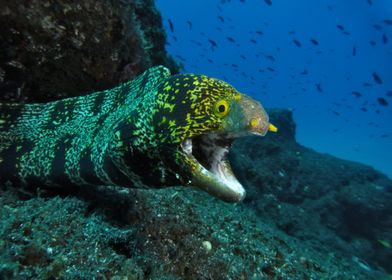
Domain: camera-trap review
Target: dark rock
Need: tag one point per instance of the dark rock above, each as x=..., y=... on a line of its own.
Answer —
x=55, y=49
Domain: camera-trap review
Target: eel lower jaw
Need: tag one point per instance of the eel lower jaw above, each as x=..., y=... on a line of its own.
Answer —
x=211, y=170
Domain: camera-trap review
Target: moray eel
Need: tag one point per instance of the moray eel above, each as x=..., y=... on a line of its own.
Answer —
x=152, y=132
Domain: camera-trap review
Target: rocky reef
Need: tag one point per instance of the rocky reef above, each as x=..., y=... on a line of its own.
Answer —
x=55, y=49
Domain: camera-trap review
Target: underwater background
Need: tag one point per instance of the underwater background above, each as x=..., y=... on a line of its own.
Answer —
x=328, y=61
x=322, y=69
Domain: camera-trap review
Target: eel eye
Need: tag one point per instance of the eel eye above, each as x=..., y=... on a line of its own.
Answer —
x=221, y=108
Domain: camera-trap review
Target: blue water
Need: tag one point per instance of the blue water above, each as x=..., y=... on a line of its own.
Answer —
x=272, y=68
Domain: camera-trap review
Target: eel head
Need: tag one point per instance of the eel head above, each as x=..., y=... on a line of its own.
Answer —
x=199, y=118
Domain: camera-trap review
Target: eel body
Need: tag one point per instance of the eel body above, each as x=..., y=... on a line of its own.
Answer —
x=155, y=131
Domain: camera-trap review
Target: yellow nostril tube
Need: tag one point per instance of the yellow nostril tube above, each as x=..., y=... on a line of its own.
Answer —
x=254, y=123
x=272, y=128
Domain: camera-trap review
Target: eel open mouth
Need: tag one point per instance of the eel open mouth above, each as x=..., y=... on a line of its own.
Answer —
x=212, y=171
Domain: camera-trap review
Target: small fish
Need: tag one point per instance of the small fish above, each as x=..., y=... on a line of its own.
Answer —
x=305, y=72
x=372, y=43
x=384, y=136
x=336, y=113
x=212, y=42
x=259, y=32
x=221, y=19
x=377, y=78
x=271, y=69
x=354, y=51
x=389, y=93
x=189, y=24
x=370, y=2
x=314, y=42
x=364, y=109
x=377, y=26
x=387, y=21
x=384, y=38
x=253, y=41
x=297, y=43
x=382, y=101
x=318, y=86
x=231, y=39
x=356, y=94
x=341, y=27
x=171, y=26
x=268, y=2
x=270, y=57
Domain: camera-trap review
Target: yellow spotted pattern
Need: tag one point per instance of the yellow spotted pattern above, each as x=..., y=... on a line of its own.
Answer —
x=186, y=106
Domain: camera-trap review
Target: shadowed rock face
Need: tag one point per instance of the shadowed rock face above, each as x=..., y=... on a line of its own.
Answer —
x=56, y=49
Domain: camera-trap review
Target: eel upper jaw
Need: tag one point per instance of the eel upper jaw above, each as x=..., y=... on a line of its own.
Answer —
x=211, y=170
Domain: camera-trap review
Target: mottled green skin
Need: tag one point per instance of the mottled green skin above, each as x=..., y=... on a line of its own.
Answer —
x=185, y=107
x=130, y=136
x=103, y=138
